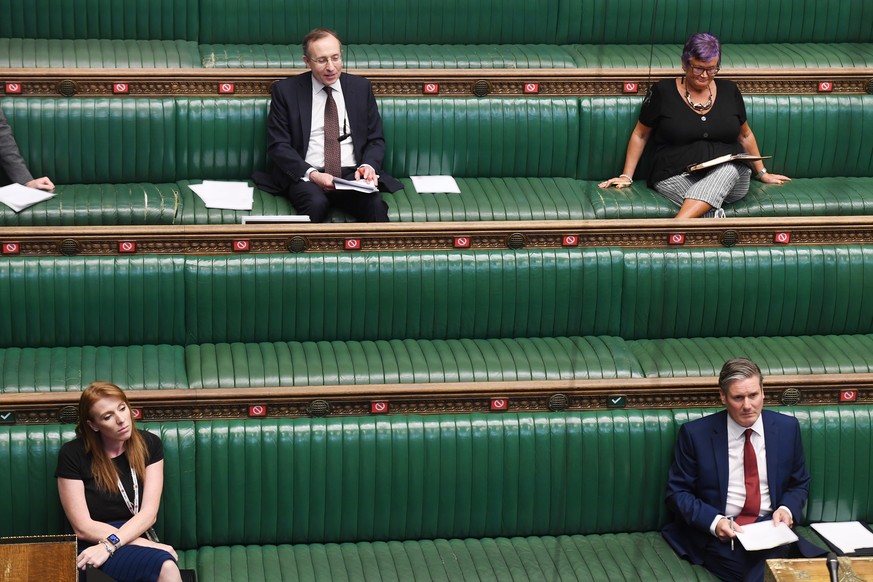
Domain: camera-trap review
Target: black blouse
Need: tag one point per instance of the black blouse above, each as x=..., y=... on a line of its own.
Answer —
x=74, y=463
x=682, y=137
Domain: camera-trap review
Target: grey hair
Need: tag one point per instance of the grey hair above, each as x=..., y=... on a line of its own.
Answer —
x=738, y=369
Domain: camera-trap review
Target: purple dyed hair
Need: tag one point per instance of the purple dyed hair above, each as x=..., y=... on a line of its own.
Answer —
x=701, y=46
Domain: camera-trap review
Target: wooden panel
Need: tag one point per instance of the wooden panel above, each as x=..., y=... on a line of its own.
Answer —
x=816, y=570
x=49, y=559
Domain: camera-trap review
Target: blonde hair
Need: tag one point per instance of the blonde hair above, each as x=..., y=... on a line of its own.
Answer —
x=102, y=467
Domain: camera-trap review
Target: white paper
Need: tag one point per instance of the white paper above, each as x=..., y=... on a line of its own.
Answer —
x=225, y=195
x=275, y=218
x=848, y=536
x=18, y=197
x=356, y=185
x=435, y=184
x=763, y=535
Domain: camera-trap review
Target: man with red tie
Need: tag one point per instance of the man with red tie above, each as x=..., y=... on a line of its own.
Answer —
x=736, y=467
x=325, y=124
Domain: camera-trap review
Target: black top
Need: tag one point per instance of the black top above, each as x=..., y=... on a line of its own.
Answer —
x=74, y=463
x=683, y=137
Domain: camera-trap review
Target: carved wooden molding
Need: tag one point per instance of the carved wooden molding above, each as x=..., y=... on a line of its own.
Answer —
x=539, y=396
x=412, y=82
x=437, y=236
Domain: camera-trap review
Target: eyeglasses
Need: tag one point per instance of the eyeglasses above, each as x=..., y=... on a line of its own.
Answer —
x=711, y=71
x=322, y=61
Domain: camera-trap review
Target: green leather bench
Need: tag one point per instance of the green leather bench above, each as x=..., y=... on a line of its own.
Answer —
x=481, y=496
x=297, y=320
x=435, y=34
x=129, y=161
x=99, y=33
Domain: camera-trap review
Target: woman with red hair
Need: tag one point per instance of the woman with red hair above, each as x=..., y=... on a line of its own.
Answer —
x=110, y=480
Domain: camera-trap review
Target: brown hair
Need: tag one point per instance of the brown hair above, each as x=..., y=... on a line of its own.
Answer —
x=102, y=466
x=317, y=34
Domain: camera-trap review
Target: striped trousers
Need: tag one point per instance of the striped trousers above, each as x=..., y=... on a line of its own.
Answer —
x=723, y=184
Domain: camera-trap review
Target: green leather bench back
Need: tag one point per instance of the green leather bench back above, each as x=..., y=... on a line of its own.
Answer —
x=383, y=21
x=547, y=22
x=100, y=19
x=91, y=301
x=479, y=138
x=407, y=295
x=635, y=294
x=164, y=140
x=306, y=480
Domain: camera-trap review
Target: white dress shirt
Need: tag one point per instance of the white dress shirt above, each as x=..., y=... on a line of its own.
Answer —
x=736, y=491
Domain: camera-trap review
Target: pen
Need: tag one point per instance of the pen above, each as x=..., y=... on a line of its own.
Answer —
x=732, y=529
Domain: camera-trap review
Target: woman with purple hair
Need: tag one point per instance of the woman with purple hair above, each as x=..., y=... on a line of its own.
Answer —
x=696, y=118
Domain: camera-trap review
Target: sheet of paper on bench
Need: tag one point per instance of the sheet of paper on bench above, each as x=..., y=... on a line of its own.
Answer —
x=763, y=535
x=225, y=195
x=356, y=185
x=275, y=218
x=435, y=184
x=18, y=197
x=848, y=536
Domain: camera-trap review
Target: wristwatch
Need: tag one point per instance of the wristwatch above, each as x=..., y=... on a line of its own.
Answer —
x=113, y=539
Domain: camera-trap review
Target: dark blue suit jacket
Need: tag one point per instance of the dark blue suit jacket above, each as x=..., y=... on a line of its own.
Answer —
x=697, y=484
x=290, y=124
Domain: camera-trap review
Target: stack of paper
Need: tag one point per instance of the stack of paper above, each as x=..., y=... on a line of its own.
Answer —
x=18, y=197
x=849, y=537
x=435, y=184
x=763, y=535
x=356, y=185
x=225, y=195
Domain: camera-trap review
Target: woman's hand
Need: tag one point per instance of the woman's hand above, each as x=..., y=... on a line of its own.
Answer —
x=95, y=555
x=618, y=182
x=770, y=178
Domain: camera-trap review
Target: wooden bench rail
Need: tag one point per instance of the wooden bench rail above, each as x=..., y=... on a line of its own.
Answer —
x=430, y=236
x=465, y=397
x=412, y=82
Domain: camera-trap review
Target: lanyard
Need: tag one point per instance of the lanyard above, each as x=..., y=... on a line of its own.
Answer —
x=133, y=507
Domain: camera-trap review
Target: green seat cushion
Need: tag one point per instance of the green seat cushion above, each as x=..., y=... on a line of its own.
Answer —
x=807, y=197
x=98, y=53
x=734, y=55
x=238, y=365
x=100, y=204
x=681, y=357
x=637, y=201
x=71, y=369
x=493, y=199
x=593, y=558
x=394, y=56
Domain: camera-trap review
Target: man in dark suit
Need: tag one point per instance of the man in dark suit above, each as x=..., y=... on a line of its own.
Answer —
x=736, y=467
x=325, y=124
x=14, y=168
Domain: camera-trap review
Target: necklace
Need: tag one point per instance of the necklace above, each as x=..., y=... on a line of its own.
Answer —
x=698, y=106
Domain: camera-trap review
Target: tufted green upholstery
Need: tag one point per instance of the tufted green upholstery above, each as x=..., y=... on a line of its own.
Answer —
x=81, y=301
x=136, y=367
x=129, y=161
x=29, y=53
x=557, y=33
x=233, y=321
x=407, y=361
x=579, y=493
x=437, y=33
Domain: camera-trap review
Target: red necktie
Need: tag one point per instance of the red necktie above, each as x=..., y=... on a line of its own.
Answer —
x=752, y=507
x=332, y=163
